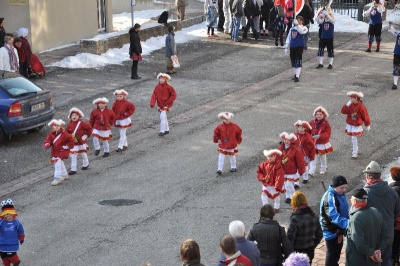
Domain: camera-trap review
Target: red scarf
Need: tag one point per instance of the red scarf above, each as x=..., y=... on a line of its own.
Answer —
x=373, y=181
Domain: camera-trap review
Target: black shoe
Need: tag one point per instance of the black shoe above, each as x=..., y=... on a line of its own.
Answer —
x=124, y=148
x=238, y=40
x=119, y=150
x=233, y=170
x=394, y=87
x=320, y=66
x=166, y=132
x=377, y=50
x=305, y=181
x=296, y=79
x=288, y=201
x=276, y=44
x=135, y=77
x=85, y=167
x=296, y=186
x=72, y=172
x=293, y=77
x=219, y=172
x=330, y=67
x=106, y=154
x=161, y=134
x=97, y=152
x=368, y=50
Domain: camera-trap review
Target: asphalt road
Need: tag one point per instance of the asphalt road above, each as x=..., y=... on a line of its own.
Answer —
x=173, y=177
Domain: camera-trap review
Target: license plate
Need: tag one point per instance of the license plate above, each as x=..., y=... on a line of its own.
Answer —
x=37, y=107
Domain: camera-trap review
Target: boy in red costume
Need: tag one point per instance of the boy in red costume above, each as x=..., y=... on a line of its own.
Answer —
x=79, y=131
x=357, y=115
x=123, y=109
x=321, y=133
x=270, y=174
x=60, y=143
x=292, y=162
x=164, y=95
x=101, y=120
x=228, y=135
x=305, y=143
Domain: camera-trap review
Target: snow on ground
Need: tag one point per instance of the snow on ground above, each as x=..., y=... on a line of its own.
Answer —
x=345, y=23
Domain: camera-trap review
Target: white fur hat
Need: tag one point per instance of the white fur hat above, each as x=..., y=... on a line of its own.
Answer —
x=23, y=32
x=75, y=110
x=286, y=136
x=322, y=110
x=100, y=100
x=269, y=153
x=355, y=94
x=164, y=76
x=56, y=122
x=303, y=123
x=225, y=115
x=120, y=92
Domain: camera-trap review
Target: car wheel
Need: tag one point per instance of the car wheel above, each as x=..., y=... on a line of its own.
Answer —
x=3, y=136
x=35, y=129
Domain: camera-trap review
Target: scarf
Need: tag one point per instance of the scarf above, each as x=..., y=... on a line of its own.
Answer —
x=373, y=181
x=13, y=58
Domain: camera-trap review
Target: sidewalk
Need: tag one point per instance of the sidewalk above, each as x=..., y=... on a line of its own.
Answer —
x=320, y=253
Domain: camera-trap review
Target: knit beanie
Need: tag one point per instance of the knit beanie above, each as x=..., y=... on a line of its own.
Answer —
x=338, y=180
x=395, y=173
x=297, y=259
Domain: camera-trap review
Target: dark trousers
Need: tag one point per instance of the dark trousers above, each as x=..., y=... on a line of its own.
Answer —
x=309, y=251
x=250, y=23
x=134, y=68
x=333, y=250
x=221, y=20
x=396, y=246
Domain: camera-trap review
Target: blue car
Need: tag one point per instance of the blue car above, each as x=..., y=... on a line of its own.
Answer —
x=23, y=105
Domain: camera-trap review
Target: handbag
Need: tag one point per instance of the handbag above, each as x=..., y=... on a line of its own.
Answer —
x=175, y=61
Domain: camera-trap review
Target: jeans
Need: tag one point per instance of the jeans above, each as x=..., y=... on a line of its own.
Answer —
x=333, y=250
x=235, y=28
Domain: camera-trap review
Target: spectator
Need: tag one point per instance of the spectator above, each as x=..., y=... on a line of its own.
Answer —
x=246, y=247
x=211, y=11
x=395, y=173
x=385, y=200
x=308, y=16
x=233, y=256
x=181, y=6
x=9, y=60
x=135, y=49
x=27, y=64
x=236, y=7
x=297, y=259
x=270, y=237
x=364, y=246
x=170, y=49
x=251, y=10
x=190, y=253
x=334, y=219
x=2, y=32
x=304, y=230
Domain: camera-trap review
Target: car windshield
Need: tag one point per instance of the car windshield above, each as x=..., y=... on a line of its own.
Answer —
x=19, y=86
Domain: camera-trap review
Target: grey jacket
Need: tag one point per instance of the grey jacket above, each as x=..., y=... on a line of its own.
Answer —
x=236, y=7
x=382, y=197
x=170, y=46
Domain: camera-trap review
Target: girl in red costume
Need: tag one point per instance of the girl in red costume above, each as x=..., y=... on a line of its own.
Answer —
x=60, y=143
x=79, y=131
x=228, y=135
x=292, y=162
x=123, y=109
x=305, y=143
x=270, y=174
x=321, y=133
x=164, y=95
x=101, y=120
x=357, y=115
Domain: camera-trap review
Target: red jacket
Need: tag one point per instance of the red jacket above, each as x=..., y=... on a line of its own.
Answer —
x=292, y=160
x=27, y=51
x=271, y=174
x=305, y=143
x=83, y=129
x=323, y=130
x=123, y=109
x=57, y=149
x=359, y=112
x=239, y=260
x=229, y=135
x=164, y=95
x=102, y=120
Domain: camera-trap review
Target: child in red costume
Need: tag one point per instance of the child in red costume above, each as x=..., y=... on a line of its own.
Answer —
x=101, y=120
x=60, y=143
x=123, y=109
x=228, y=135
x=79, y=131
x=357, y=115
x=164, y=95
x=305, y=143
x=270, y=174
x=321, y=133
x=292, y=162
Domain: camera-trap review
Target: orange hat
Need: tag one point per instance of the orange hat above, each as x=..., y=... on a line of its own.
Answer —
x=304, y=124
x=75, y=110
x=269, y=153
x=322, y=110
x=286, y=136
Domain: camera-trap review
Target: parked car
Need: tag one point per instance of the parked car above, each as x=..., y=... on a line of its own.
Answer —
x=23, y=105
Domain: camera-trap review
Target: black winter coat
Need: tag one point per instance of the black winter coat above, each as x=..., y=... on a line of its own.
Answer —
x=307, y=15
x=2, y=35
x=251, y=9
x=135, y=46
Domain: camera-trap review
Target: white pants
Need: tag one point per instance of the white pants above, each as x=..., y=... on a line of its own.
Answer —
x=355, y=144
x=221, y=159
x=74, y=159
x=123, y=141
x=289, y=186
x=228, y=20
x=59, y=169
x=96, y=143
x=324, y=163
x=265, y=198
x=164, y=122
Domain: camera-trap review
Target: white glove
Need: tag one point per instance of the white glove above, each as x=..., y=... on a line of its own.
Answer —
x=295, y=22
x=348, y=103
x=65, y=147
x=286, y=50
x=368, y=128
x=315, y=137
x=84, y=137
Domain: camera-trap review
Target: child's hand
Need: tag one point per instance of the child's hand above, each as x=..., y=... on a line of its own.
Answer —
x=348, y=103
x=46, y=146
x=368, y=128
x=21, y=242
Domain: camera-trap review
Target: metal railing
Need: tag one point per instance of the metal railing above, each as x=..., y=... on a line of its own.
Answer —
x=351, y=8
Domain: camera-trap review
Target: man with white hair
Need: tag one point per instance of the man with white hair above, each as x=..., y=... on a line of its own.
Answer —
x=246, y=247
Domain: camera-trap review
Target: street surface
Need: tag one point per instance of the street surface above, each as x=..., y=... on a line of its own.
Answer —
x=174, y=176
